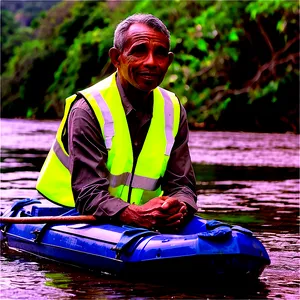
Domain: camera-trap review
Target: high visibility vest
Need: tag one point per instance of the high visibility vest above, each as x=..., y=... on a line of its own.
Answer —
x=136, y=184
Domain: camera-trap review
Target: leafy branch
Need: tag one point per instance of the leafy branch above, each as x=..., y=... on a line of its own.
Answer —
x=221, y=92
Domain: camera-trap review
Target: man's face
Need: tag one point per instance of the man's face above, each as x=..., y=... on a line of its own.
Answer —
x=145, y=58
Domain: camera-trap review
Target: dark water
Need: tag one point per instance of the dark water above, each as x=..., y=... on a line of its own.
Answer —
x=248, y=179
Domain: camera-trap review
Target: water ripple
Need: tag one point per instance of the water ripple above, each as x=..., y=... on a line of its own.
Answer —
x=249, y=179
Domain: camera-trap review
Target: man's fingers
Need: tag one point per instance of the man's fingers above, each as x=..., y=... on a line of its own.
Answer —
x=176, y=217
x=183, y=209
x=175, y=224
x=160, y=221
x=170, y=202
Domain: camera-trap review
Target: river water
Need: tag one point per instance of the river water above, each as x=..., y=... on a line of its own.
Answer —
x=249, y=179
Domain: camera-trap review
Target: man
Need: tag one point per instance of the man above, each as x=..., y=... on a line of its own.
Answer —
x=124, y=141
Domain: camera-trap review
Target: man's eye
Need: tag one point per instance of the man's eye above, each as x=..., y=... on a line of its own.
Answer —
x=138, y=50
x=162, y=51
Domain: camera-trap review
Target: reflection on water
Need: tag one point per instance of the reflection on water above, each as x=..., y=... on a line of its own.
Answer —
x=42, y=278
x=282, y=277
x=245, y=149
x=248, y=179
x=261, y=205
x=25, y=279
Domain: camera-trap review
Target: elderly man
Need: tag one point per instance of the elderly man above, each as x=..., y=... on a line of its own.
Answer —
x=121, y=152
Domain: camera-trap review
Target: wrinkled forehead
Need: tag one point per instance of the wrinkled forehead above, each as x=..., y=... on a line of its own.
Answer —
x=140, y=32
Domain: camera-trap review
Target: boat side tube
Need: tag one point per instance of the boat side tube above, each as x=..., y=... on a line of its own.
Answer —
x=213, y=246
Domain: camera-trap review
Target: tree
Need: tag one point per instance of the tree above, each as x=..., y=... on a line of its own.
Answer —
x=236, y=63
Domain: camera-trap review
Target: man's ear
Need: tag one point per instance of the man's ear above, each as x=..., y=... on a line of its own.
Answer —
x=114, y=55
x=171, y=57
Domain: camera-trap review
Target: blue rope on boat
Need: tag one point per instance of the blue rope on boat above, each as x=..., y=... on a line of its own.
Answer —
x=17, y=205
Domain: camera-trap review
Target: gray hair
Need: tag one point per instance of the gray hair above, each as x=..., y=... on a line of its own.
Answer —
x=147, y=19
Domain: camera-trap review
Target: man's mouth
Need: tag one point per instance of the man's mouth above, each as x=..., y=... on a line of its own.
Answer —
x=148, y=75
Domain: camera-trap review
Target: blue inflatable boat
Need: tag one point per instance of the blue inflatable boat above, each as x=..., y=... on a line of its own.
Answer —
x=215, y=248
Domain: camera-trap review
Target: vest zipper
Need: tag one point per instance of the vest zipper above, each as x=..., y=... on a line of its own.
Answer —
x=130, y=185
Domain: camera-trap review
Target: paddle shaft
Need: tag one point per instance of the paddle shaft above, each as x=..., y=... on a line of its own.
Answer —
x=41, y=220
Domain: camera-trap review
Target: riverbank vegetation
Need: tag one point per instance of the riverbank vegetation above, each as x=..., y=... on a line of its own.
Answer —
x=236, y=63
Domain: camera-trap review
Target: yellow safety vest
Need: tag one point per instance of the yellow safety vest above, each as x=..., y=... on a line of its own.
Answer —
x=54, y=181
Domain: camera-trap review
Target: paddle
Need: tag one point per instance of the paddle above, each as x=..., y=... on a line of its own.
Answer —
x=41, y=220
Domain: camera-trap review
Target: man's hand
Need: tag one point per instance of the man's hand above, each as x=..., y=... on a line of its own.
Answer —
x=161, y=213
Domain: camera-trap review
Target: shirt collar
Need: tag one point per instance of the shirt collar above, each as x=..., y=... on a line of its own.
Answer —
x=126, y=104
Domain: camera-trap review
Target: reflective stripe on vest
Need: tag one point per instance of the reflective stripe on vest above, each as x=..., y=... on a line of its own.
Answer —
x=114, y=180
x=61, y=154
x=105, y=101
x=108, y=129
x=169, y=121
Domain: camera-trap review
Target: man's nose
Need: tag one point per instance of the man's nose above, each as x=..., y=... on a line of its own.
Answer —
x=150, y=60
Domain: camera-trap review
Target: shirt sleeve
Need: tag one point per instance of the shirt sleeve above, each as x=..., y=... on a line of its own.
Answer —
x=179, y=180
x=88, y=156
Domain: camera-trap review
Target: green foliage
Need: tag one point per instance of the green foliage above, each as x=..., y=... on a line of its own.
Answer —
x=229, y=56
x=27, y=11
x=21, y=86
x=266, y=8
x=12, y=35
x=8, y=25
x=86, y=56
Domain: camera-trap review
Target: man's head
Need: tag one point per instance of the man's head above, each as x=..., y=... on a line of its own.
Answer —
x=141, y=52
x=146, y=19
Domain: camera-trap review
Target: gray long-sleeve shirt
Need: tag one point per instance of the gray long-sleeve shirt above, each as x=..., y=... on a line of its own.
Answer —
x=88, y=157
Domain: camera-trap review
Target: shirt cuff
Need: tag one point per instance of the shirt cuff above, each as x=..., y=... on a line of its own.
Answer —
x=111, y=208
x=190, y=201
